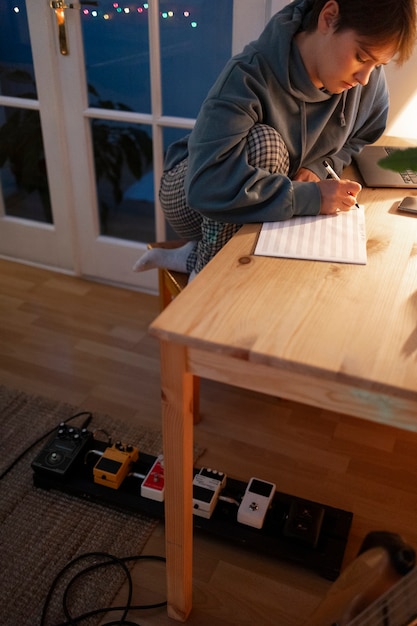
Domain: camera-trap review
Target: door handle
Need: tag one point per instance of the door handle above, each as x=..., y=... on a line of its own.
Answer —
x=59, y=6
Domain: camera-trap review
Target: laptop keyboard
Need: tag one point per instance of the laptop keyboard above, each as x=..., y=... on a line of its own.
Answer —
x=408, y=176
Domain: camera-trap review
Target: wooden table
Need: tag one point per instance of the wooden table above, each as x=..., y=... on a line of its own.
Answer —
x=339, y=337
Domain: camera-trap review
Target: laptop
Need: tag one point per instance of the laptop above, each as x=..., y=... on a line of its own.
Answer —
x=376, y=176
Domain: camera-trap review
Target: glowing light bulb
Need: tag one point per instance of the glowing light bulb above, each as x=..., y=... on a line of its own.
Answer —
x=186, y=14
x=126, y=10
x=16, y=9
x=194, y=24
x=94, y=13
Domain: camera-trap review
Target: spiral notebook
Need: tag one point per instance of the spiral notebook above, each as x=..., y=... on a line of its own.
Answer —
x=339, y=238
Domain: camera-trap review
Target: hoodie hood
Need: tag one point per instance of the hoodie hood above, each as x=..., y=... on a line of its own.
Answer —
x=281, y=53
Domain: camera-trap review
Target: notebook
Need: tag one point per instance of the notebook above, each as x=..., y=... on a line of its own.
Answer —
x=339, y=238
x=376, y=176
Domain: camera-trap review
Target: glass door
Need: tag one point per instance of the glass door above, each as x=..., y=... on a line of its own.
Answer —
x=32, y=154
x=92, y=93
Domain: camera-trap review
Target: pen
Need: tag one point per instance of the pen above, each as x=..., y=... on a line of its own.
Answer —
x=333, y=174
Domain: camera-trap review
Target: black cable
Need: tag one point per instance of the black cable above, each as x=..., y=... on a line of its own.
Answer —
x=32, y=445
x=59, y=576
x=127, y=607
x=111, y=560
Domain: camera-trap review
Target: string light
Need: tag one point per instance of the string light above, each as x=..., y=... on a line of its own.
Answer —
x=120, y=9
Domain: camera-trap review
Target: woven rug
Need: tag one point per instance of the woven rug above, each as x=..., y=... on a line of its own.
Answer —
x=42, y=531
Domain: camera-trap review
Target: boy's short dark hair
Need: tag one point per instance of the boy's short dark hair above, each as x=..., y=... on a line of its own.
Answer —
x=378, y=21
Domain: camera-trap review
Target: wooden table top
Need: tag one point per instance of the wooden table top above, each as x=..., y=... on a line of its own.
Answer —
x=353, y=324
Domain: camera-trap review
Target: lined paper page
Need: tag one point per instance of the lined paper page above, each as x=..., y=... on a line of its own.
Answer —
x=339, y=238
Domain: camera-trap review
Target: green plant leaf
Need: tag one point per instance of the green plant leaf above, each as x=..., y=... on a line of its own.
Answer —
x=400, y=160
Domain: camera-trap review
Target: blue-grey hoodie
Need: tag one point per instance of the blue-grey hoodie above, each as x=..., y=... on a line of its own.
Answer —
x=268, y=83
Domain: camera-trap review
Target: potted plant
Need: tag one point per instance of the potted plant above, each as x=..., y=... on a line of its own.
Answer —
x=400, y=160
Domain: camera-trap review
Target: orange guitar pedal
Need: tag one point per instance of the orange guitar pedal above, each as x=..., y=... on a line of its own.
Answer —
x=114, y=465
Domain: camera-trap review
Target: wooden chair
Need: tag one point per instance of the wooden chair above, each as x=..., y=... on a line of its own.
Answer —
x=170, y=283
x=170, y=286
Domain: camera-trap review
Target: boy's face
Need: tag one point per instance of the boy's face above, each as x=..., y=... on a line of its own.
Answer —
x=346, y=60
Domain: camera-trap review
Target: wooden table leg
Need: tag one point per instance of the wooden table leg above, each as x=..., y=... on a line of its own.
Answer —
x=177, y=427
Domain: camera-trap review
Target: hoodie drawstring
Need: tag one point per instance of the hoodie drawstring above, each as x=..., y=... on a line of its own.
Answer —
x=342, y=119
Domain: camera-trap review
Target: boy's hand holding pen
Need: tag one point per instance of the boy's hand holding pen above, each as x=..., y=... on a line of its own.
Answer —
x=343, y=206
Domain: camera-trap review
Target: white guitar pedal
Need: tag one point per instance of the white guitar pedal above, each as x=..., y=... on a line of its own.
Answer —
x=207, y=485
x=256, y=502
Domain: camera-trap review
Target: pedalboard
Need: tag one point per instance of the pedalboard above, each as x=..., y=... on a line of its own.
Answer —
x=254, y=514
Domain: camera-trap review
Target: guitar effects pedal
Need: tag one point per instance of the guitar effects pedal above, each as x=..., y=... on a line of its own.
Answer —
x=255, y=503
x=63, y=452
x=114, y=465
x=153, y=486
x=207, y=485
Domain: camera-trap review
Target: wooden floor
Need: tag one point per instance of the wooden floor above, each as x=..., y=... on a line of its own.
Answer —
x=87, y=344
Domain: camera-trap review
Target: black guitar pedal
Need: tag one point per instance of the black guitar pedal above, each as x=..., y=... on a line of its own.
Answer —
x=63, y=452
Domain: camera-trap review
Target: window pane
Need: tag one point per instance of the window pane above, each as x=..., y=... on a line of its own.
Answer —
x=124, y=176
x=196, y=38
x=22, y=161
x=16, y=64
x=116, y=48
